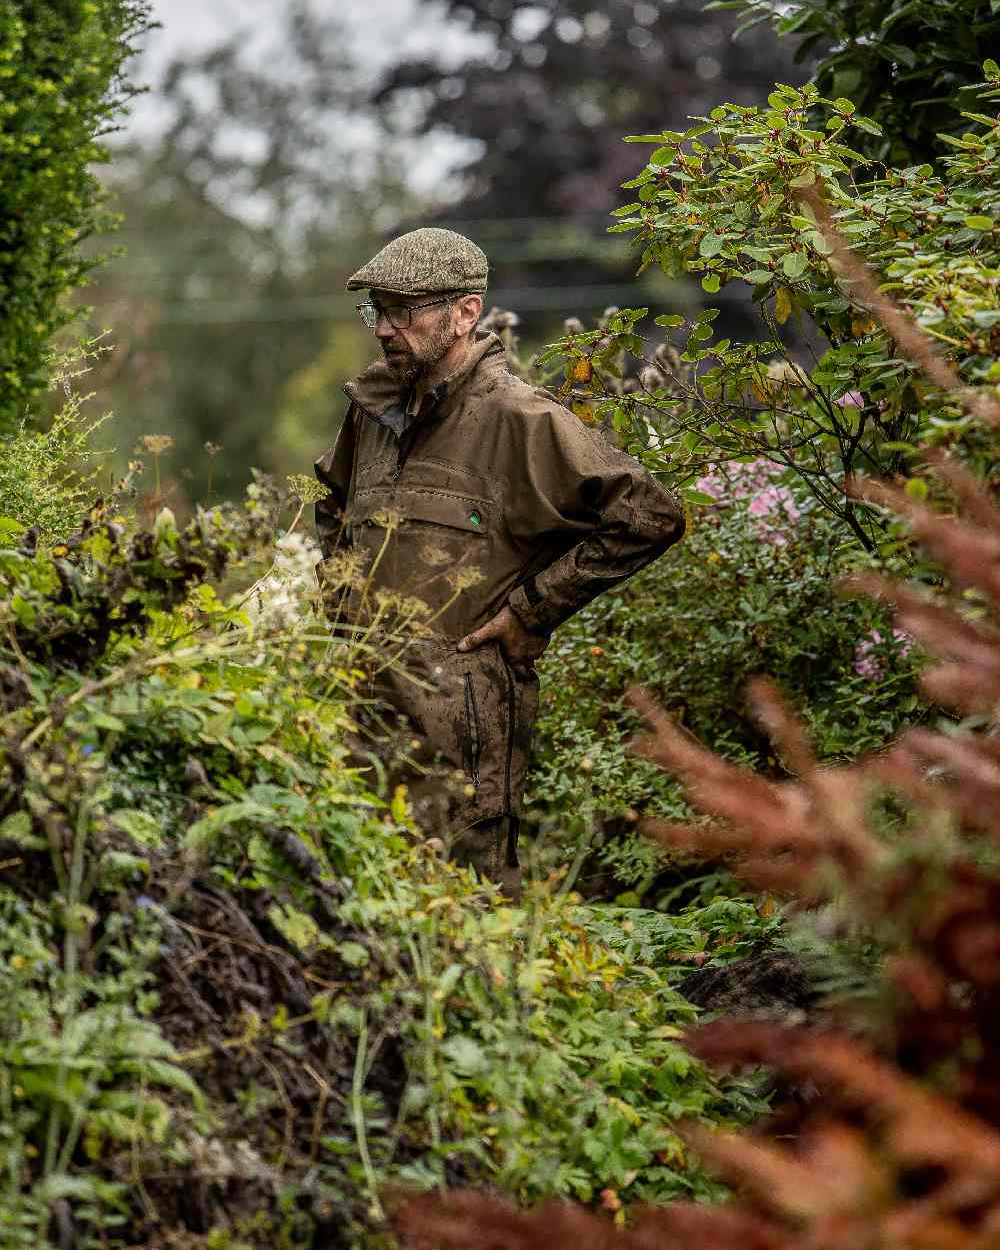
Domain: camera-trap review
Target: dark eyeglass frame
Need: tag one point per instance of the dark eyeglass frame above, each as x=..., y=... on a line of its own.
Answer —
x=370, y=312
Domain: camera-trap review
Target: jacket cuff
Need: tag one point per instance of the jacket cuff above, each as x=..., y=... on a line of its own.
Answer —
x=530, y=610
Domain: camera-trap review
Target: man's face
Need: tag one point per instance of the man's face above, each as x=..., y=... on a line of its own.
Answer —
x=411, y=351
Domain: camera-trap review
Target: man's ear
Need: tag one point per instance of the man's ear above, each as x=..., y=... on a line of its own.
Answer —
x=468, y=309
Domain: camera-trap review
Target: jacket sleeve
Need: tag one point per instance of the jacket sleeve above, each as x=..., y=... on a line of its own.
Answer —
x=600, y=506
x=333, y=470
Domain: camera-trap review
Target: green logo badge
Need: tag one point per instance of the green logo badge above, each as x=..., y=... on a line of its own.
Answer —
x=475, y=518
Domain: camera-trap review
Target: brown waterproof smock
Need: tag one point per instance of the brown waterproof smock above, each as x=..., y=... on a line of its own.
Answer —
x=496, y=475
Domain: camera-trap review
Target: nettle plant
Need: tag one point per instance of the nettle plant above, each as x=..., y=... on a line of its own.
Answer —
x=738, y=199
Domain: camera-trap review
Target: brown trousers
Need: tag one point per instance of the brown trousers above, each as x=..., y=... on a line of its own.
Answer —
x=490, y=846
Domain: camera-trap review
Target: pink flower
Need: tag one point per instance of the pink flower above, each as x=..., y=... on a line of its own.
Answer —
x=851, y=399
x=764, y=503
x=867, y=663
x=712, y=485
x=774, y=500
x=905, y=641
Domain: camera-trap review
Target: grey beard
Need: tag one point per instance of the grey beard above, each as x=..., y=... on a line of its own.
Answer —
x=409, y=370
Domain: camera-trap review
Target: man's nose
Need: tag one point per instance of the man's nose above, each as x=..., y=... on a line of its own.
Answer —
x=384, y=329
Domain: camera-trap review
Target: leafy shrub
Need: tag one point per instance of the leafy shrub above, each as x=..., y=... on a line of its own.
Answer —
x=48, y=476
x=246, y=992
x=750, y=590
x=733, y=199
x=61, y=70
x=908, y=64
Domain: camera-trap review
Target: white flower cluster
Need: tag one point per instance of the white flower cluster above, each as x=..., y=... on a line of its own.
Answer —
x=285, y=597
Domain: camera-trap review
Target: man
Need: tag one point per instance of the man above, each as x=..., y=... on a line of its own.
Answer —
x=461, y=484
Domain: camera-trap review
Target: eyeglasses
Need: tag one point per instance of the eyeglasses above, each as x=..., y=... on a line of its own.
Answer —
x=399, y=316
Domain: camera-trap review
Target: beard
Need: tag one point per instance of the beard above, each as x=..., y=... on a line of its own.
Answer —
x=409, y=367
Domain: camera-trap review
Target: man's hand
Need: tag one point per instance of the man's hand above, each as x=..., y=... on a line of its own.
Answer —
x=517, y=644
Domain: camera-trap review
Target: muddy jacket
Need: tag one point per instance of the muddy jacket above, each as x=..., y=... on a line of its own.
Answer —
x=494, y=475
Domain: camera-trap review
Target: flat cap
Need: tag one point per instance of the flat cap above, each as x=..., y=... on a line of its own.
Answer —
x=425, y=261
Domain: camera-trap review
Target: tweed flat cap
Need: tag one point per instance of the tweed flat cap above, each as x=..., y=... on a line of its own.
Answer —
x=425, y=261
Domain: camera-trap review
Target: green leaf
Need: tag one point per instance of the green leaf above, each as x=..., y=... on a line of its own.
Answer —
x=202, y=831
x=979, y=221
x=10, y=529
x=711, y=283
x=158, y=1072
x=139, y=825
x=119, y=866
x=991, y=69
x=711, y=245
x=670, y=319
x=466, y=1055
x=354, y=954
x=17, y=829
x=296, y=927
x=867, y=125
x=795, y=264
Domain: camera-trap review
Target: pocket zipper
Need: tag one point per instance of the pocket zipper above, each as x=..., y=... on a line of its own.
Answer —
x=474, y=738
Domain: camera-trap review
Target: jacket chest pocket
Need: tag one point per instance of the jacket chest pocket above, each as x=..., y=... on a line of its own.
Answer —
x=445, y=533
x=427, y=544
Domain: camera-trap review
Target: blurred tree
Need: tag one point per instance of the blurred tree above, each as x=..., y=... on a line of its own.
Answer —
x=267, y=188
x=548, y=101
x=565, y=80
x=63, y=87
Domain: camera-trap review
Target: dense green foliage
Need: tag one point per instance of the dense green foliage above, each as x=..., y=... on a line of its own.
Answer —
x=911, y=63
x=61, y=87
x=238, y=966
x=751, y=590
x=242, y=991
x=723, y=200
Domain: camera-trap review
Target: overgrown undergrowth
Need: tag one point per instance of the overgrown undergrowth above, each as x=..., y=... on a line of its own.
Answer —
x=242, y=992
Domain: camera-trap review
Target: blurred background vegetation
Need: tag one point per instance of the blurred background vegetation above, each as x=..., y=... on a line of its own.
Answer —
x=261, y=169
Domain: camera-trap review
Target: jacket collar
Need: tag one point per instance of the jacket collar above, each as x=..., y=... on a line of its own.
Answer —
x=376, y=391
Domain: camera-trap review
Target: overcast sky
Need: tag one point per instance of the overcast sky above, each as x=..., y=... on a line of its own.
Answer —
x=382, y=29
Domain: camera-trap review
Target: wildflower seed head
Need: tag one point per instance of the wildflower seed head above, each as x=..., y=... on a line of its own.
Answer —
x=156, y=444
x=304, y=488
